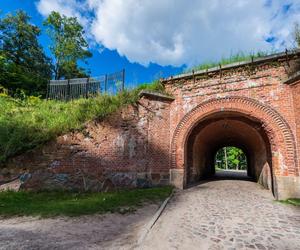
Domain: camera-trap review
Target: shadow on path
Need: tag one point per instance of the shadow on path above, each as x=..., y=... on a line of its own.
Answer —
x=235, y=175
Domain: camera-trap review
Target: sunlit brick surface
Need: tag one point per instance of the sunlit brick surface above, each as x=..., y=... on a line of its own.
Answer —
x=162, y=140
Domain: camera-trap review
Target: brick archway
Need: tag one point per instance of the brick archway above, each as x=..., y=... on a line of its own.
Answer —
x=280, y=136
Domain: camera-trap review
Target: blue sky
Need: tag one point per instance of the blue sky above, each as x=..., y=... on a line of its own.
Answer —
x=106, y=61
x=159, y=38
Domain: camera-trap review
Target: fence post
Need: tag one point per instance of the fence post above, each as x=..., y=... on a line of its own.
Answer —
x=48, y=90
x=123, y=80
x=105, y=86
x=68, y=90
x=86, y=87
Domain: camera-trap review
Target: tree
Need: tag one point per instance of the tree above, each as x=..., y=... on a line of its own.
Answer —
x=68, y=45
x=235, y=156
x=225, y=158
x=231, y=158
x=23, y=62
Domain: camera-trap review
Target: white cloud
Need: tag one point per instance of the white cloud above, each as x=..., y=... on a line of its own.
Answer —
x=179, y=32
x=65, y=7
x=283, y=22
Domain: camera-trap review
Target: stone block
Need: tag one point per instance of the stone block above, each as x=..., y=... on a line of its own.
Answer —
x=287, y=187
x=177, y=178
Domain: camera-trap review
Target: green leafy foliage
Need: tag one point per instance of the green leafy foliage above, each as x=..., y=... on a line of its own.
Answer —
x=23, y=64
x=68, y=45
x=49, y=204
x=28, y=122
x=24, y=68
x=231, y=158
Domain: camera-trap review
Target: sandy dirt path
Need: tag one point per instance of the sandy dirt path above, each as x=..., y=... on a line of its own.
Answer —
x=109, y=231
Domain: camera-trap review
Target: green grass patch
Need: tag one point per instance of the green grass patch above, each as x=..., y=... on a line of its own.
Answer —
x=235, y=58
x=295, y=202
x=30, y=122
x=49, y=204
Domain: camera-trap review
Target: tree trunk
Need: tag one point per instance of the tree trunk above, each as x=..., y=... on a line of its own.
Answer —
x=225, y=155
x=56, y=70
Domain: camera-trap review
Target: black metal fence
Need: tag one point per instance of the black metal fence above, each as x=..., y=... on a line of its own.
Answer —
x=86, y=87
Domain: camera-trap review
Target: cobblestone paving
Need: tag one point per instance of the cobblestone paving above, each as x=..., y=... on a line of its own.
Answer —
x=226, y=214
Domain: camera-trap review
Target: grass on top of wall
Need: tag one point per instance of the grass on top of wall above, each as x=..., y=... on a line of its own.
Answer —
x=58, y=203
x=29, y=122
x=234, y=58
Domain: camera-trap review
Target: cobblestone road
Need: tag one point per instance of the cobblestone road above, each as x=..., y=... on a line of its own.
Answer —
x=226, y=214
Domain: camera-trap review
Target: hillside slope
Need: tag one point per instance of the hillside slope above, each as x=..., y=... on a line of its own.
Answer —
x=28, y=123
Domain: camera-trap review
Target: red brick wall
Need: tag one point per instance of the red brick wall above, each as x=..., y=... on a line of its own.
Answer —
x=145, y=144
x=128, y=149
x=296, y=105
x=264, y=84
x=258, y=93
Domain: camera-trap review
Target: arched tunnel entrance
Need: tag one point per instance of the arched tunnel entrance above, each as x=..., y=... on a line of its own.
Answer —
x=228, y=129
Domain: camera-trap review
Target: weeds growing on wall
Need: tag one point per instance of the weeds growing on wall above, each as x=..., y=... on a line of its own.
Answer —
x=28, y=122
x=235, y=58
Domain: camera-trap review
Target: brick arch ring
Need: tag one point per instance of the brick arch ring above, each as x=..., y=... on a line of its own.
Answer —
x=275, y=126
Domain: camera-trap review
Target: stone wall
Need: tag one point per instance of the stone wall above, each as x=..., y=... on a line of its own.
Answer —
x=147, y=144
x=128, y=149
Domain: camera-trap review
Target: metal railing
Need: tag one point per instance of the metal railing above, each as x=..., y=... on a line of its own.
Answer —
x=86, y=87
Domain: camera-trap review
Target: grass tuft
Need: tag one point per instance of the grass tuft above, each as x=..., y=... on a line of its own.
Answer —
x=59, y=203
x=295, y=202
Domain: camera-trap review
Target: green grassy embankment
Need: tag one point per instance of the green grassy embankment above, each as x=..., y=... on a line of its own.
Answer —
x=30, y=122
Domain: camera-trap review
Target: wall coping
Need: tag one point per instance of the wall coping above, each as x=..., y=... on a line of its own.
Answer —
x=155, y=95
x=288, y=54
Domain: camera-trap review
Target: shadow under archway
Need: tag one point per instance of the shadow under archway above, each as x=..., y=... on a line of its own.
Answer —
x=228, y=129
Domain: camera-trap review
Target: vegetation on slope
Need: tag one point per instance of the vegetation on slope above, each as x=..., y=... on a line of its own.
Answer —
x=29, y=122
x=48, y=204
